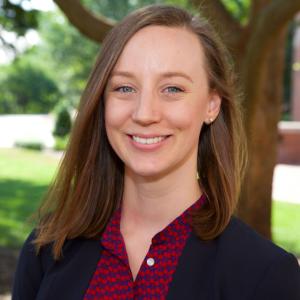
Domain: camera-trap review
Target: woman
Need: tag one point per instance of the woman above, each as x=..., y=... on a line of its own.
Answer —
x=143, y=202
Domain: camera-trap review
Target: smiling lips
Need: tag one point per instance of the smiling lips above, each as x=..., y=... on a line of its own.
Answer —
x=148, y=140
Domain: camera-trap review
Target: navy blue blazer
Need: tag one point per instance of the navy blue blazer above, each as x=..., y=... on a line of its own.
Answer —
x=238, y=265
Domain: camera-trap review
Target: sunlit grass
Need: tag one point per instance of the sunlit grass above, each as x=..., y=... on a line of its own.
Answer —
x=286, y=226
x=24, y=178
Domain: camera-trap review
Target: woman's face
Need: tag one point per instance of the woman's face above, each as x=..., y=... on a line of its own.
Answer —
x=156, y=101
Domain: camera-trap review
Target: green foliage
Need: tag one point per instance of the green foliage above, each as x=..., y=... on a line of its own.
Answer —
x=118, y=9
x=32, y=145
x=13, y=17
x=69, y=55
x=239, y=9
x=63, y=123
x=27, y=87
x=61, y=143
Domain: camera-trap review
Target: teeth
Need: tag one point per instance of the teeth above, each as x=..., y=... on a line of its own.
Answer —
x=148, y=141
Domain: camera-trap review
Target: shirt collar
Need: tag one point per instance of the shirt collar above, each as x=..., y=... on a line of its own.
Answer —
x=112, y=239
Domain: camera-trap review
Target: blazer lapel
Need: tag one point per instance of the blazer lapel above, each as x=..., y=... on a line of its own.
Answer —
x=193, y=278
x=70, y=278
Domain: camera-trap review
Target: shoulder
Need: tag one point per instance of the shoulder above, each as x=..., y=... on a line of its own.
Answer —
x=29, y=270
x=243, y=240
x=32, y=267
x=253, y=261
x=29, y=258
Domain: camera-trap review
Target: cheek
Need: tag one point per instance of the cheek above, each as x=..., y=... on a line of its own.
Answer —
x=113, y=121
x=187, y=117
x=115, y=114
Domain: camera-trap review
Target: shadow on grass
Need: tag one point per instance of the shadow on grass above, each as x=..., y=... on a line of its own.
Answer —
x=18, y=200
x=8, y=264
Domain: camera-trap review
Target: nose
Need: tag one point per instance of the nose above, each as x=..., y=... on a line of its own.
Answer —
x=146, y=110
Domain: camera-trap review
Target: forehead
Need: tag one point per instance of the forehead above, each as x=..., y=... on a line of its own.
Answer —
x=163, y=49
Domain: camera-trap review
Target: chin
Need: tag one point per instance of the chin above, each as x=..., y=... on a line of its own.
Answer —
x=150, y=174
x=147, y=172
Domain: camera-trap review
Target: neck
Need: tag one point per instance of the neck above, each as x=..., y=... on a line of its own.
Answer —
x=149, y=205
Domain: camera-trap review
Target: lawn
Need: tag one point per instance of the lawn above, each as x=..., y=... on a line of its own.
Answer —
x=286, y=226
x=25, y=175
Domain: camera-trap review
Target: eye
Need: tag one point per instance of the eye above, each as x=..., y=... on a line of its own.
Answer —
x=173, y=89
x=124, y=89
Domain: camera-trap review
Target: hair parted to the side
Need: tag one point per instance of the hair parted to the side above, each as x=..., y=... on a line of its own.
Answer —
x=89, y=184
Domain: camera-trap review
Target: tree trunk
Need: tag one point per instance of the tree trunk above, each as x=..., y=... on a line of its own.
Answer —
x=256, y=197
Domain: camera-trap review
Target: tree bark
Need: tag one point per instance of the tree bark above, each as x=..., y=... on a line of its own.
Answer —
x=269, y=22
x=221, y=19
x=255, y=205
x=262, y=70
x=95, y=27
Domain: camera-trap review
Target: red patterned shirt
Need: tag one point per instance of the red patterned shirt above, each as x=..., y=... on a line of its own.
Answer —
x=113, y=278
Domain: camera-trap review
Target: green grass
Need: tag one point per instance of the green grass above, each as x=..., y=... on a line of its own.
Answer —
x=25, y=175
x=286, y=226
x=24, y=178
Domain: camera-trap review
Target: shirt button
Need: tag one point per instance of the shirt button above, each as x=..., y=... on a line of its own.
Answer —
x=150, y=261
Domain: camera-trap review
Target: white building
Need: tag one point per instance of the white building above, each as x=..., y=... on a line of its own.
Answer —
x=26, y=128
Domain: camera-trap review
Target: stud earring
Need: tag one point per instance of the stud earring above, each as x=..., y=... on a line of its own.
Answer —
x=208, y=121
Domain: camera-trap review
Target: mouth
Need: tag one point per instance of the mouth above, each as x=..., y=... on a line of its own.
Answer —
x=149, y=140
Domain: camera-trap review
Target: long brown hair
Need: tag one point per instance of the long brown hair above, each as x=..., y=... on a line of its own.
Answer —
x=89, y=183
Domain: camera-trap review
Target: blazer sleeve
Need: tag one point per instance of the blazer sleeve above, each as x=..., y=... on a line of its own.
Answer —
x=29, y=272
x=281, y=280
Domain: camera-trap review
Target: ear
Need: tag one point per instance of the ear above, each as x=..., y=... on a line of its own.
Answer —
x=213, y=108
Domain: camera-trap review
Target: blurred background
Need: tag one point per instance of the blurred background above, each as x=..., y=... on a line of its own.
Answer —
x=47, y=49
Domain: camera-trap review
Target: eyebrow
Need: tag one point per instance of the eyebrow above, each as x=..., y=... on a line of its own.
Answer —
x=162, y=75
